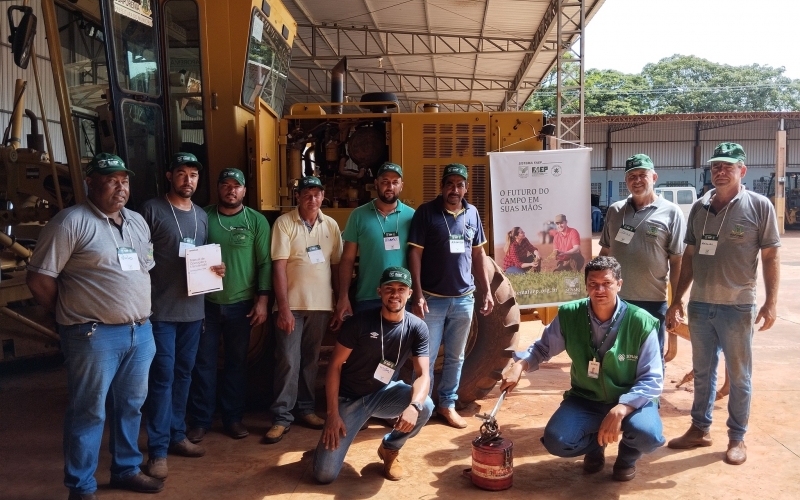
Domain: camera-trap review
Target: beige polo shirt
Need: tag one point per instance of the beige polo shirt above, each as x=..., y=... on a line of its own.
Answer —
x=309, y=283
x=78, y=247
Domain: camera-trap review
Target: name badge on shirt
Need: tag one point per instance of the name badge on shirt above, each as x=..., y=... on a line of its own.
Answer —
x=625, y=234
x=391, y=241
x=128, y=259
x=385, y=371
x=594, y=369
x=457, y=244
x=708, y=245
x=315, y=254
x=184, y=244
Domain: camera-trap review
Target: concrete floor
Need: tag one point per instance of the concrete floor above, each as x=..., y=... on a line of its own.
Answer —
x=32, y=405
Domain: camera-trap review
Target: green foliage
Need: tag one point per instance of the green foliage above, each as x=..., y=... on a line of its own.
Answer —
x=679, y=84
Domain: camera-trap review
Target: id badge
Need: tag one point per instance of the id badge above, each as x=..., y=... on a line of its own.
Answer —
x=385, y=371
x=315, y=254
x=391, y=241
x=625, y=234
x=457, y=244
x=708, y=245
x=594, y=369
x=185, y=243
x=128, y=259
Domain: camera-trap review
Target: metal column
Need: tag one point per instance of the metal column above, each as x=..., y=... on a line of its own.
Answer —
x=569, y=90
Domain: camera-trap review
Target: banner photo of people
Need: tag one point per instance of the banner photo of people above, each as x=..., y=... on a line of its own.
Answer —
x=542, y=222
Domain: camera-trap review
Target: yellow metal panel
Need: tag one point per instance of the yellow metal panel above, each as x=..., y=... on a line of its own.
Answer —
x=266, y=159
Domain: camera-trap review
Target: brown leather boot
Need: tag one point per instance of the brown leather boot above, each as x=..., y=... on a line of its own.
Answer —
x=737, y=453
x=391, y=464
x=693, y=438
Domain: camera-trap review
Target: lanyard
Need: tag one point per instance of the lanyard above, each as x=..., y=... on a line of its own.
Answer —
x=397, y=219
x=723, y=216
x=195, y=220
x=123, y=235
x=229, y=229
x=649, y=213
x=319, y=233
x=610, y=327
x=399, y=347
x=464, y=224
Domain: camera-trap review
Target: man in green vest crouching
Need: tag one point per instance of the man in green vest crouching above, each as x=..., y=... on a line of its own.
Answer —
x=616, y=375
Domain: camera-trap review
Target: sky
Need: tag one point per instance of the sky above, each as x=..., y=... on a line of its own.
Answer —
x=625, y=35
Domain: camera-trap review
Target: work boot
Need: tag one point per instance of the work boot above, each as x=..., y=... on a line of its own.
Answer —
x=391, y=464
x=186, y=448
x=313, y=421
x=156, y=467
x=274, y=434
x=78, y=496
x=196, y=434
x=623, y=472
x=595, y=461
x=693, y=438
x=237, y=430
x=138, y=482
x=452, y=418
x=737, y=452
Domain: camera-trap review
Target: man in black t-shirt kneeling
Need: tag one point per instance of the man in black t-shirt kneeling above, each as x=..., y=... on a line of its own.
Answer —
x=375, y=344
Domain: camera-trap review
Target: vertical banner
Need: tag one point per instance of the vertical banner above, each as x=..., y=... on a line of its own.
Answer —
x=542, y=222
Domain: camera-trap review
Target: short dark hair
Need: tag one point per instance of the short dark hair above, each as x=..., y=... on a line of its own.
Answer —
x=603, y=263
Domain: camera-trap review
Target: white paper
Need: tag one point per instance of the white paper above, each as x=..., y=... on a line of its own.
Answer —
x=200, y=278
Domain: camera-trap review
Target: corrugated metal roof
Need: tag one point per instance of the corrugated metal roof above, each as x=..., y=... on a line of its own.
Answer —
x=479, y=75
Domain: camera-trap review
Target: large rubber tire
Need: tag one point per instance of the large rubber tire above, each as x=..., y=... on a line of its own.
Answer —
x=492, y=340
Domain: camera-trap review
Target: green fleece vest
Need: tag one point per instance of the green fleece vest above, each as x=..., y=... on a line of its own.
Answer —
x=618, y=366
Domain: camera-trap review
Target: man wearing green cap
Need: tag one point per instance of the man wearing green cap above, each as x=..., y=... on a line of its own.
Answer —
x=362, y=380
x=244, y=237
x=176, y=224
x=445, y=257
x=306, y=248
x=727, y=230
x=379, y=231
x=644, y=232
x=90, y=266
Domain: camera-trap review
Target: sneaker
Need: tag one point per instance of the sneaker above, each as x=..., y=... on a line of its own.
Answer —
x=693, y=438
x=391, y=464
x=452, y=418
x=196, y=434
x=156, y=467
x=237, y=430
x=186, y=448
x=274, y=434
x=313, y=421
x=138, y=482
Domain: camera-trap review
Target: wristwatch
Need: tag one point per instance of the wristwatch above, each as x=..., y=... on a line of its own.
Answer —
x=417, y=406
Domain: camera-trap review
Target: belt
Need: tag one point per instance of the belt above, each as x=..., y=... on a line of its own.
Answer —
x=135, y=322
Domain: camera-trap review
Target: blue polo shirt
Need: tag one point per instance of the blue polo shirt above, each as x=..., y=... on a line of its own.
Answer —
x=365, y=228
x=443, y=273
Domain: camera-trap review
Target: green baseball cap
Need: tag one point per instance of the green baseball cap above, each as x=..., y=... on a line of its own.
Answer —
x=231, y=173
x=455, y=169
x=179, y=159
x=389, y=167
x=396, y=274
x=106, y=163
x=309, y=182
x=639, y=161
x=729, y=152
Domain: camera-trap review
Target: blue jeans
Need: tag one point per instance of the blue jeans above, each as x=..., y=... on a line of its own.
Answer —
x=296, y=358
x=448, y=320
x=107, y=367
x=515, y=270
x=230, y=322
x=366, y=305
x=170, y=378
x=388, y=402
x=715, y=327
x=659, y=311
x=572, y=430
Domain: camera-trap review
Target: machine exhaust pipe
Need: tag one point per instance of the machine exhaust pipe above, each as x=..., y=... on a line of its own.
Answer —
x=338, y=74
x=35, y=139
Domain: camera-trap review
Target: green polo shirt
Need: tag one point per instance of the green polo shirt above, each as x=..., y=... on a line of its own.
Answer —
x=365, y=228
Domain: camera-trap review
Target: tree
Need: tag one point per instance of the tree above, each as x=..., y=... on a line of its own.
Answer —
x=679, y=84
